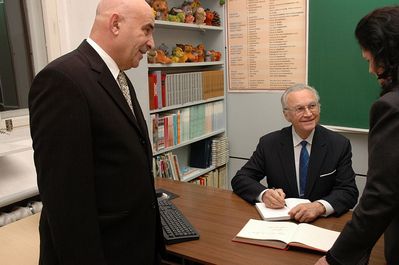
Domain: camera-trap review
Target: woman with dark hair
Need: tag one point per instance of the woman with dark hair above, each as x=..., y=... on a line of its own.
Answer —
x=378, y=210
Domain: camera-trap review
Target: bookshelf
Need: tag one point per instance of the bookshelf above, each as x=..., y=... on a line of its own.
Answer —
x=189, y=95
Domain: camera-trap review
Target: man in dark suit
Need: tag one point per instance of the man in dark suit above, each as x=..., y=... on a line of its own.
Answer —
x=328, y=180
x=91, y=147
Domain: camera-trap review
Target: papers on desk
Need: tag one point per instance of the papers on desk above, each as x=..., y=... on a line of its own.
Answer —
x=281, y=235
x=270, y=214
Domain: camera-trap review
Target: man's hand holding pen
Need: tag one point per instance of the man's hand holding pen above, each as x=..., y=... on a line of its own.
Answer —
x=274, y=198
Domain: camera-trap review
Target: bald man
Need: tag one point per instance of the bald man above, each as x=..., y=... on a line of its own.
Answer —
x=91, y=147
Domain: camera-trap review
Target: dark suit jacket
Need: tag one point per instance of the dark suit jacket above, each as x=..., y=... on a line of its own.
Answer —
x=378, y=208
x=330, y=173
x=93, y=160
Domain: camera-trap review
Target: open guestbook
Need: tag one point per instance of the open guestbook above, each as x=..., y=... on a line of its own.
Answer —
x=284, y=234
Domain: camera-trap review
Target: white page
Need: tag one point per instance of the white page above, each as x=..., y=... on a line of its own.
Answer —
x=292, y=202
x=279, y=214
x=264, y=230
x=314, y=236
x=272, y=214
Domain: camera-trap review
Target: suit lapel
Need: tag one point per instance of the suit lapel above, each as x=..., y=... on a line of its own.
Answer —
x=108, y=83
x=287, y=159
x=317, y=156
x=140, y=120
x=137, y=110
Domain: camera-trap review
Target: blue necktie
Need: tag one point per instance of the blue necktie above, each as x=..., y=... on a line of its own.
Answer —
x=303, y=168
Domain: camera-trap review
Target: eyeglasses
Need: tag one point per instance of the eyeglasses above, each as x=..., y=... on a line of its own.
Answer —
x=300, y=110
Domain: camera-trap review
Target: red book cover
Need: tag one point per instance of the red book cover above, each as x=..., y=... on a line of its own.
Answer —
x=152, y=90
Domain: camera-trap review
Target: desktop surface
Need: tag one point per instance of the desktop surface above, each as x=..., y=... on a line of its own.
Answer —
x=218, y=215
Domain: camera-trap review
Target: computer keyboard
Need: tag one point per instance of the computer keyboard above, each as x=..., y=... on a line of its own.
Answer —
x=176, y=228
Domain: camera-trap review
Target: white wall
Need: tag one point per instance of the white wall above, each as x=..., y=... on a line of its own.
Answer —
x=252, y=115
x=67, y=23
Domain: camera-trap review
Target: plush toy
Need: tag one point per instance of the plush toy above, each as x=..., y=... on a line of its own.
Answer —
x=216, y=19
x=195, y=5
x=176, y=15
x=164, y=48
x=178, y=56
x=216, y=55
x=188, y=11
x=151, y=54
x=209, y=56
x=161, y=9
x=188, y=50
x=200, y=52
x=162, y=58
x=173, y=18
x=208, y=17
x=189, y=19
x=200, y=16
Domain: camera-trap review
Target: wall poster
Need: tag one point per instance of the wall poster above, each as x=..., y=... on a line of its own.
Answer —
x=266, y=44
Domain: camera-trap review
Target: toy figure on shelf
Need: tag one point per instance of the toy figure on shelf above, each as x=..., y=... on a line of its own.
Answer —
x=151, y=54
x=173, y=18
x=188, y=11
x=161, y=9
x=216, y=19
x=188, y=50
x=178, y=56
x=200, y=16
x=195, y=5
x=163, y=47
x=176, y=15
x=216, y=55
x=209, y=56
x=162, y=58
x=200, y=52
x=208, y=17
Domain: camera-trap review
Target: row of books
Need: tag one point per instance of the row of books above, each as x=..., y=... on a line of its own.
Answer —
x=220, y=150
x=175, y=127
x=167, y=165
x=216, y=178
x=167, y=89
x=209, y=152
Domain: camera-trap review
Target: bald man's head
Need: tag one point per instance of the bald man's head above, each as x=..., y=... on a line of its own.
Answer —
x=123, y=28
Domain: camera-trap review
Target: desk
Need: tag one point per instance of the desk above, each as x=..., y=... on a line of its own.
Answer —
x=218, y=215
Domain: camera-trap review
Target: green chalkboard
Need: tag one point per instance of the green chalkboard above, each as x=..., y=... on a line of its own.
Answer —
x=335, y=67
